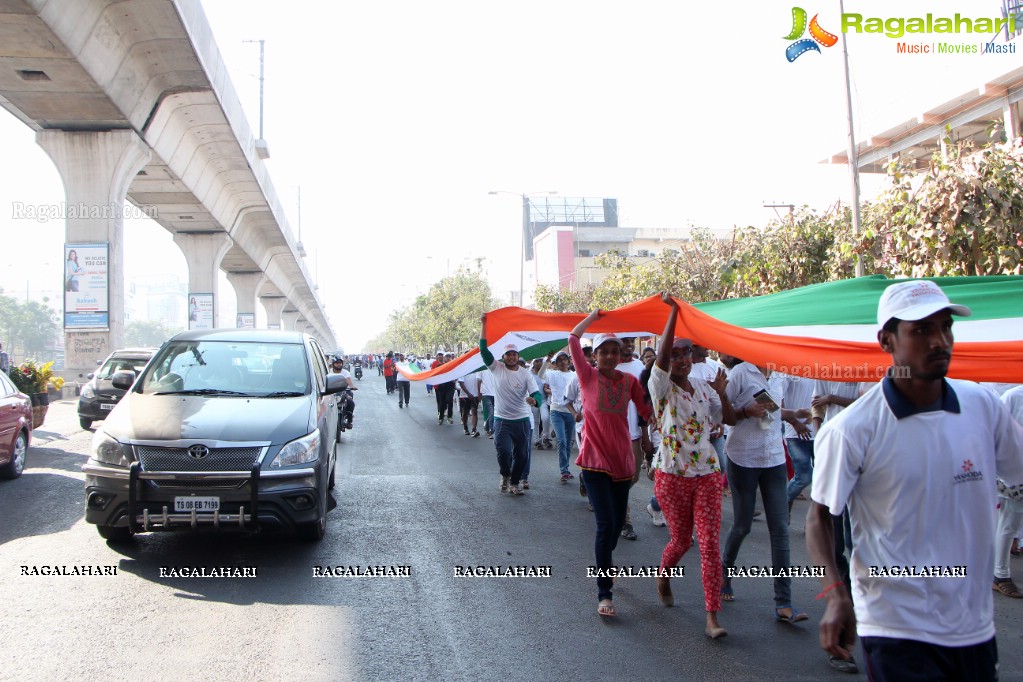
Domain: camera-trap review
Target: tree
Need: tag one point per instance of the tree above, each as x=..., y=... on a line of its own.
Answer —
x=148, y=334
x=961, y=215
x=32, y=327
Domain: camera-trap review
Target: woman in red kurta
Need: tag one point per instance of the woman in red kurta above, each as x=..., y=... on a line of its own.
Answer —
x=605, y=453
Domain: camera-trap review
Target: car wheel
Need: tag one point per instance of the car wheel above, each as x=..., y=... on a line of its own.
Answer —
x=114, y=533
x=85, y=423
x=313, y=532
x=14, y=468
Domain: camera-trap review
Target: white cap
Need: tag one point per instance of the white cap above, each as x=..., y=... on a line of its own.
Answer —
x=915, y=300
x=600, y=339
x=509, y=348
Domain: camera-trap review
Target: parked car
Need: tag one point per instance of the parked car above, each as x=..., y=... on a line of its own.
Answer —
x=225, y=430
x=15, y=428
x=99, y=396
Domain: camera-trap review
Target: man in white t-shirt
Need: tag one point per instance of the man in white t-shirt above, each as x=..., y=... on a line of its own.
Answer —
x=915, y=459
x=468, y=401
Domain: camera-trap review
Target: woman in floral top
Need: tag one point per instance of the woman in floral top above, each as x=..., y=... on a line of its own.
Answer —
x=688, y=474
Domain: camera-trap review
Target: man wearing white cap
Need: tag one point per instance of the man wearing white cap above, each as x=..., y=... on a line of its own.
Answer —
x=514, y=393
x=915, y=459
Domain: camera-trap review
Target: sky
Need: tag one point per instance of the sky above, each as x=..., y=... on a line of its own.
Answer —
x=397, y=119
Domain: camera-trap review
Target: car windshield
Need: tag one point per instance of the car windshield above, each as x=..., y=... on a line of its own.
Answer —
x=228, y=368
x=120, y=364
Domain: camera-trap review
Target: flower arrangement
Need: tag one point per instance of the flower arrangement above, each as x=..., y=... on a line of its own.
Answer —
x=30, y=377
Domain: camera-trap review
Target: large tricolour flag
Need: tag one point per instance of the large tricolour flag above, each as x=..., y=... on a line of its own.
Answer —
x=825, y=331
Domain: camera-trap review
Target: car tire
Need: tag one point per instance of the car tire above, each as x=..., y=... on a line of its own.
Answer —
x=115, y=533
x=85, y=423
x=14, y=468
x=312, y=532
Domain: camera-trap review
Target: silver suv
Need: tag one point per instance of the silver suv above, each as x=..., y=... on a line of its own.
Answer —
x=227, y=430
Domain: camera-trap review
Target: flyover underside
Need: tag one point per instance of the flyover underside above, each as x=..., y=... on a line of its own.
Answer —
x=100, y=65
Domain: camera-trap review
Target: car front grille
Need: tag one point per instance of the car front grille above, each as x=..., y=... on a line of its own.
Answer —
x=156, y=459
x=178, y=459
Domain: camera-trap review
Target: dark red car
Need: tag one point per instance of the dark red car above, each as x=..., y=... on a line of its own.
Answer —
x=15, y=428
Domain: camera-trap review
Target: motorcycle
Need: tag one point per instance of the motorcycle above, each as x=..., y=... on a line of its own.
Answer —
x=345, y=411
x=358, y=371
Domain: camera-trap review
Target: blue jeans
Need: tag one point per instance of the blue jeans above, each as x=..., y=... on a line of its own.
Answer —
x=564, y=429
x=801, y=453
x=744, y=482
x=529, y=453
x=488, y=409
x=610, y=500
x=511, y=438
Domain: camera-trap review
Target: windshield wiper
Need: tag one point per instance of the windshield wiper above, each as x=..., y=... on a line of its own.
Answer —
x=203, y=391
x=284, y=394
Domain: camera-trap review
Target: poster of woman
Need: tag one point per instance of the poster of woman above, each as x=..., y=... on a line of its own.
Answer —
x=86, y=281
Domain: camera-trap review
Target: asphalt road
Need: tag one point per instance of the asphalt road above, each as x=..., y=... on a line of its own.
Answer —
x=410, y=493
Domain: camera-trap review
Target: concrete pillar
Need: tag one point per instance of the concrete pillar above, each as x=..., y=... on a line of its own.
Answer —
x=1010, y=119
x=245, y=285
x=203, y=252
x=273, y=305
x=97, y=168
x=289, y=319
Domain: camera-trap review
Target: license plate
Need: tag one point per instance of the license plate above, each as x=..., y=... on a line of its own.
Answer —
x=107, y=406
x=199, y=504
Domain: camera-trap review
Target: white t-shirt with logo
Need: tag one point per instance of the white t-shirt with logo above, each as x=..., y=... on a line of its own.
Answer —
x=921, y=492
x=635, y=367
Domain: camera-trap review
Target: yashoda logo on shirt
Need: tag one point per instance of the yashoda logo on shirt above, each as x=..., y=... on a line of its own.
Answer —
x=969, y=473
x=818, y=36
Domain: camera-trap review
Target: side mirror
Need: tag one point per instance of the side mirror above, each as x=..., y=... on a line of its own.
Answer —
x=123, y=379
x=336, y=383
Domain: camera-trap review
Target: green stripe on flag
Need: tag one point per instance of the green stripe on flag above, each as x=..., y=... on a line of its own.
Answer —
x=854, y=301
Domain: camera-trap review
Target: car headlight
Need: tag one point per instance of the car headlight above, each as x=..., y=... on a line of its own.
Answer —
x=109, y=451
x=88, y=392
x=301, y=451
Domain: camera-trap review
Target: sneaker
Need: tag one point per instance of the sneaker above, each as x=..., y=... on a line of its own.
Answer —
x=656, y=517
x=466, y=429
x=548, y=444
x=504, y=483
x=525, y=484
x=565, y=478
x=440, y=420
x=628, y=533
x=450, y=420
x=843, y=665
x=514, y=490
x=490, y=435
x=475, y=433
x=399, y=404
x=538, y=445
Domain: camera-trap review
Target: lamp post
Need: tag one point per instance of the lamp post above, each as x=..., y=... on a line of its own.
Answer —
x=525, y=230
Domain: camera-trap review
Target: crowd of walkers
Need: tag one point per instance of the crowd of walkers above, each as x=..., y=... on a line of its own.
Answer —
x=901, y=473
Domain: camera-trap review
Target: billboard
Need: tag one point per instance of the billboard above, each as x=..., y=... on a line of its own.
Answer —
x=86, y=286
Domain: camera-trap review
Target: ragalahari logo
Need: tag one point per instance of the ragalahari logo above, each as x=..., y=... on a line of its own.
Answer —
x=817, y=35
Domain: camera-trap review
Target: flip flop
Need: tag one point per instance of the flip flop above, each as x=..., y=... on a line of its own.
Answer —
x=606, y=609
x=795, y=617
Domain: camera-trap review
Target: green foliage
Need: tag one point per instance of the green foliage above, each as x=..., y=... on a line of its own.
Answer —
x=146, y=334
x=959, y=216
x=31, y=377
x=30, y=327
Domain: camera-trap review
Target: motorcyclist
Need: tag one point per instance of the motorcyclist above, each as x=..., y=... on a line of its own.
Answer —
x=346, y=405
x=357, y=368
